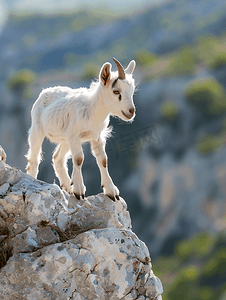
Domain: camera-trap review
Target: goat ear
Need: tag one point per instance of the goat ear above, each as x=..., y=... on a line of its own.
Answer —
x=131, y=67
x=105, y=73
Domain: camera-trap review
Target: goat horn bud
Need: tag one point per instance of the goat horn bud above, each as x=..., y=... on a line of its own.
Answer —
x=121, y=72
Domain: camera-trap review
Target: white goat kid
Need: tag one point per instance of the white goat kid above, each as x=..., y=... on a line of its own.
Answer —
x=70, y=117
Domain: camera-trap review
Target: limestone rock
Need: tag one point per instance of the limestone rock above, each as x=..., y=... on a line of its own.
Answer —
x=153, y=286
x=59, y=247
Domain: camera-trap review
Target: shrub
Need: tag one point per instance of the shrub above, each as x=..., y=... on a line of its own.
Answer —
x=145, y=57
x=198, y=246
x=218, y=60
x=207, y=96
x=215, y=269
x=208, y=144
x=184, y=285
x=205, y=48
x=20, y=80
x=183, y=63
x=169, y=111
x=206, y=293
x=211, y=51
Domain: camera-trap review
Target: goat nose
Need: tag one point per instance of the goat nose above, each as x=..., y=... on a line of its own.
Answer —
x=132, y=110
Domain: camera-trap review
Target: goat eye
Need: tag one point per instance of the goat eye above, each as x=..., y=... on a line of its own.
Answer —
x=116, y=92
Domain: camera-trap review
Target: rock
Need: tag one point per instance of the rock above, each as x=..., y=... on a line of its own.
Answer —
x=33, y=238
x=93, y=264
x=105, y=213
x=153, y=286
x=64, y=248
x=2, y=238
x=4, y=188
x=141, y=298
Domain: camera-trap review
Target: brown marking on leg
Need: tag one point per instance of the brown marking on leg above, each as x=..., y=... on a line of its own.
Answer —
x=56, y=152
x=28, y=165
x=79, y=161
x=55, y=155
x=104, y=162
x=85, y=134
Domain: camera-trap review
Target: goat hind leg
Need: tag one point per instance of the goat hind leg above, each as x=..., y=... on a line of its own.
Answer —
x=60, y=165
x=77, y=158
x=33, y=156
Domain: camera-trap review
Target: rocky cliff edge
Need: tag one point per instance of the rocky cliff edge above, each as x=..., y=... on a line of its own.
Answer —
x=53, y=246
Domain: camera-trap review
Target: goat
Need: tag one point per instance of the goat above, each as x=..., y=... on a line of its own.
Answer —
x=71, y=117
x=2, y=154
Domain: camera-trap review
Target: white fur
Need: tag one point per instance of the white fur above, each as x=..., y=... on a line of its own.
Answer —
x=2, y=154
x=70, y=117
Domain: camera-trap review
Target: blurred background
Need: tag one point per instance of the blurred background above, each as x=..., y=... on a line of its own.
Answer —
x=170, y=163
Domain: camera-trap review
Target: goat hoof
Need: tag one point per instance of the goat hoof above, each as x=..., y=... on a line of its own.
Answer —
x=117, y=197
x=63, y=187
x=102, y=186
x=112, y=198
x=83, y=196
x=77, y=196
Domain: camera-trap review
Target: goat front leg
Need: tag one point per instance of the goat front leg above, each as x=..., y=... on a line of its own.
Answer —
x=98, y=150
x=60, y=165
x=79, y=188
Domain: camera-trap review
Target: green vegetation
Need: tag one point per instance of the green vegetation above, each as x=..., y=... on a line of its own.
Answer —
x=20, y=80
x=169, y=111
x=183, y=63
x=204, y=49
x=83, y=20
x=218, y=60
x=211, y=51
x=207, y=96
x=145, y=57
x=179, y=63
x=207, y=52
x=196, y=270
x=58, y=24
x=90, y=71
x=202, y=244
x=208, y=144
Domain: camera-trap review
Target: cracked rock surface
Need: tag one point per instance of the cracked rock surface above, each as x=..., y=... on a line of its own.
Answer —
x=57, y=247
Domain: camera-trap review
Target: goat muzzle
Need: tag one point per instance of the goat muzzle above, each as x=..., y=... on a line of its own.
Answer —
x=129, y=116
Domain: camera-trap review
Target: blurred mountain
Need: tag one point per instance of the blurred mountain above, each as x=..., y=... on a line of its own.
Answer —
x=57, y=5
x=41, y=42
x=169, y=164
